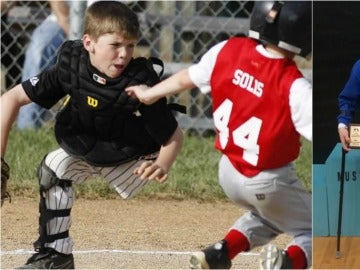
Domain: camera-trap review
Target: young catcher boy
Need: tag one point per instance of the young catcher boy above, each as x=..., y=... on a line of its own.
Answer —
x=101, y=131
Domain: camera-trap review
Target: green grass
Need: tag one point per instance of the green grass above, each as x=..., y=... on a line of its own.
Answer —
x=193, y=175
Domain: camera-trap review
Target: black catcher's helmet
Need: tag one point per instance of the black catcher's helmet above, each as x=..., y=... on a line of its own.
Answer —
x=286, y=24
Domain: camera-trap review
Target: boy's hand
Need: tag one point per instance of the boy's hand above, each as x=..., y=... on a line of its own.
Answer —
x=140, y=92
x=151, y=171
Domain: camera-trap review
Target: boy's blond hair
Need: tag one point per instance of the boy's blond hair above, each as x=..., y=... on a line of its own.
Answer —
x=107, y=17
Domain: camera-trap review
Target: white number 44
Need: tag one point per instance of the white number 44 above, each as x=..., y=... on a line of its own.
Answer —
x=245, y=136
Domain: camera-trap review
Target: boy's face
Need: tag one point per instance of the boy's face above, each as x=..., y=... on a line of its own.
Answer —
x=110, y=54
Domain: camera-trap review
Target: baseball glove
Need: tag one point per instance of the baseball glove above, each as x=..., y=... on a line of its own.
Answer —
x=5, y=173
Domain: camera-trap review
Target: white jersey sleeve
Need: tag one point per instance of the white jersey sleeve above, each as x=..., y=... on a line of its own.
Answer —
x=200, y=73
x=301, y=107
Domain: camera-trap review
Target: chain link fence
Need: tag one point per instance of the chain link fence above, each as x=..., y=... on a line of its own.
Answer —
x=178, y=32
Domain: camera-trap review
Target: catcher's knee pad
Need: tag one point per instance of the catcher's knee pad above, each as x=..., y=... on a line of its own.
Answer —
x=48, y=179
x=56, y=201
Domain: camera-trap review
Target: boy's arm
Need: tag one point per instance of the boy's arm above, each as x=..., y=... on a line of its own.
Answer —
x=158, y=170
x=10, y=103
x=61, y=10
x=176, y=83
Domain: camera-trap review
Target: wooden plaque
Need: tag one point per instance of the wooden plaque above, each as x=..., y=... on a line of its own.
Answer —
x=354, y=133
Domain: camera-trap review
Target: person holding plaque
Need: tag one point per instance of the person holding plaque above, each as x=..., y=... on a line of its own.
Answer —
x=349, y=102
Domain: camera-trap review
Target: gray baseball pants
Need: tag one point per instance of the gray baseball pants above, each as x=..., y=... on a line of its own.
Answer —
x=277, y=203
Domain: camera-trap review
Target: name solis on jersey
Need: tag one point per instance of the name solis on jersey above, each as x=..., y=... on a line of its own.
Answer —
x=248, y=82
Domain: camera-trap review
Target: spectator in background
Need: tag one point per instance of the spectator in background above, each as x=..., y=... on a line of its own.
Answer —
x=11, y=45
x=41, y=54
x=349, y=102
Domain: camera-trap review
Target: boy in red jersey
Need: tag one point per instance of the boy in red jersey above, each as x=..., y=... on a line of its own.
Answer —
x=262, y=105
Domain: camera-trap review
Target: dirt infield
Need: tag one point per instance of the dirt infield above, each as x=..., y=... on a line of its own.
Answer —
x=139, y=233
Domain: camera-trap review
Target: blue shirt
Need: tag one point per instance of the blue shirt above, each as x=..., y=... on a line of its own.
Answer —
x=349, y=98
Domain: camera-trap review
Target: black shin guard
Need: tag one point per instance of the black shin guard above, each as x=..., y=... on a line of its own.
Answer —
x=47, y=180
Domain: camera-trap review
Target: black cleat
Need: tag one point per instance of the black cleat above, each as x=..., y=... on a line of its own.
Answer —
x=213, y=257
x=49, y=259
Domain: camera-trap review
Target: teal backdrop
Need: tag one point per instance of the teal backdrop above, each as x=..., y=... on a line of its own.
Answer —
x=336, y=47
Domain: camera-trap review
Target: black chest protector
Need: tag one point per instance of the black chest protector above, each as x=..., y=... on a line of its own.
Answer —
x=100, y=123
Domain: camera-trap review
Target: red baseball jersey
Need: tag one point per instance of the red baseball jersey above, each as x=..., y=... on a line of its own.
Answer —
x=251, y=110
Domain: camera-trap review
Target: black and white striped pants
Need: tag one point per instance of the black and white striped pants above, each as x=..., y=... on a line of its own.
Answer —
x=67, y=167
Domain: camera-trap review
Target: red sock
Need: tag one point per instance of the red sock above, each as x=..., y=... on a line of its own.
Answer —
x=236, y=242
x=297, y=257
